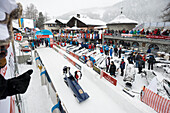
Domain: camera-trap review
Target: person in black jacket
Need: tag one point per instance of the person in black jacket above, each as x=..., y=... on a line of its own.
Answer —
x=115, y=50
x=107, y=63
x=151, y=61
x=120, y=51
x=122, y=67
x=112, y=69
x=13, y=86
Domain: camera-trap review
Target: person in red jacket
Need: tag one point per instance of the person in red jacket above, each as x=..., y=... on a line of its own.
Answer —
x=90, y=46
x=101, y=50
x=78, y=77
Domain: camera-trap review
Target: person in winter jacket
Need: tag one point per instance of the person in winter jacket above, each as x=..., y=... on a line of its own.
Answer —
x=151, y=61
x=115, y=50
x=107, y=63
x=77, y=76
x=137, y=58
x=140, y=66
x=101, y=50
x=143, y=60
x=122, y=67
x=130, y=59
x=112, y=69
x=149, y=50
x=111, y=52
x=90, y=47
x=107, y=50
x=120, y=52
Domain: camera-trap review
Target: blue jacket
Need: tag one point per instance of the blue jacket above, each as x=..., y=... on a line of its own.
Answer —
x=111, y=51
x=107, y=48
x=93, y=60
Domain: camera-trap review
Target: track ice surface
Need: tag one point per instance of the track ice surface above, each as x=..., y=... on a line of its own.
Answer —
x=104, y=97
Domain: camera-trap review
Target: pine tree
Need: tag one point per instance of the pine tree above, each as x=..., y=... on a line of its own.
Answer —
x=40, y=21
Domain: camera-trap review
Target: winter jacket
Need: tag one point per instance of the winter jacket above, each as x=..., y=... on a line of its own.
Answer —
x=151, y=60
x=111, y=51
x=115, y=49
x=13, y=86
x=138, y=57
x=107, y=61
x=107, y=48
x=122, y=65
x=101, y=50
x=112, y=69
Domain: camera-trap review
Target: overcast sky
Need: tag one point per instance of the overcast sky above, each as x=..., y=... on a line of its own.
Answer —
x=59, y=7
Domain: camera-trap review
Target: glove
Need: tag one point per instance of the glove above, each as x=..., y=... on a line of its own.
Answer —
x=17, y=85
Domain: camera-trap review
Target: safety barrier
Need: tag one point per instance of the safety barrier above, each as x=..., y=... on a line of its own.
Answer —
x=80, y=35
x=155, y=101
x=96, y=69
x=45, y=80
x=108, y=78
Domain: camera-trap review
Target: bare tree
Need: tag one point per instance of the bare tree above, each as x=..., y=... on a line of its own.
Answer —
x=31, y=12
x=46, y=17
x=166, y=13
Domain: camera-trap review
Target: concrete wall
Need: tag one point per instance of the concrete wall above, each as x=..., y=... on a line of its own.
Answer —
x=120, y=27
x=163, y=45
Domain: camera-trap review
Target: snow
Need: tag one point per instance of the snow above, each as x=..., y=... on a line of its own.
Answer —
x=122, y=19
x=52, y=21
x=89, y=21
x=63, y=21
x=36, y=99
x=104, y=97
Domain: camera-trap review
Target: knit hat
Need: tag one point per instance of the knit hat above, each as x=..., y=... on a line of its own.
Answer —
x=9, y=10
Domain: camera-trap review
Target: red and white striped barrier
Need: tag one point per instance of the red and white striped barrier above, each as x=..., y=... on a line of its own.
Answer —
x=155, y=101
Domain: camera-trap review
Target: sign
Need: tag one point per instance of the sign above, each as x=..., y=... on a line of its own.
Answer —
x=127, y=35
x=18, y=37
x=96, y=69
x=108, y=78
x=158, y=37
x=44, y=36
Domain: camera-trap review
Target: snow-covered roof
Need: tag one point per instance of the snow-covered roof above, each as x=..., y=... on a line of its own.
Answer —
x=122, y=19
x=62, y=21
x=52, y=21
x=89, y=21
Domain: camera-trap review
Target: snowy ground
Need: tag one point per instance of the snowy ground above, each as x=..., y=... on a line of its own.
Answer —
x=104, y=97
x=36, y=99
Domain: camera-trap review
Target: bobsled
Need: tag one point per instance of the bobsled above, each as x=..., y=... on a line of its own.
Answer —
x=73, y=84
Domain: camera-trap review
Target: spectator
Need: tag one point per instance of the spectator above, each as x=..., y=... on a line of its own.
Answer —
x=115, y=50
x=120, y=52
x=151, y=61
x=111, y=52
x=112, y=69
x=122, y=67
x=107, y=63
x=101, y=50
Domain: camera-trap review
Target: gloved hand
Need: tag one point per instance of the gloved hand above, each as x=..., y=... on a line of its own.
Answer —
x=17, y=85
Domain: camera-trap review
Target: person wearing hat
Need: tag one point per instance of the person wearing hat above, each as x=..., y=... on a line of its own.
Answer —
x=10, y=10
x=122, y=67
x=112, y=69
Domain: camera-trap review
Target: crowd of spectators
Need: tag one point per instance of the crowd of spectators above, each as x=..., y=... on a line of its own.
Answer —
x=157, y=32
